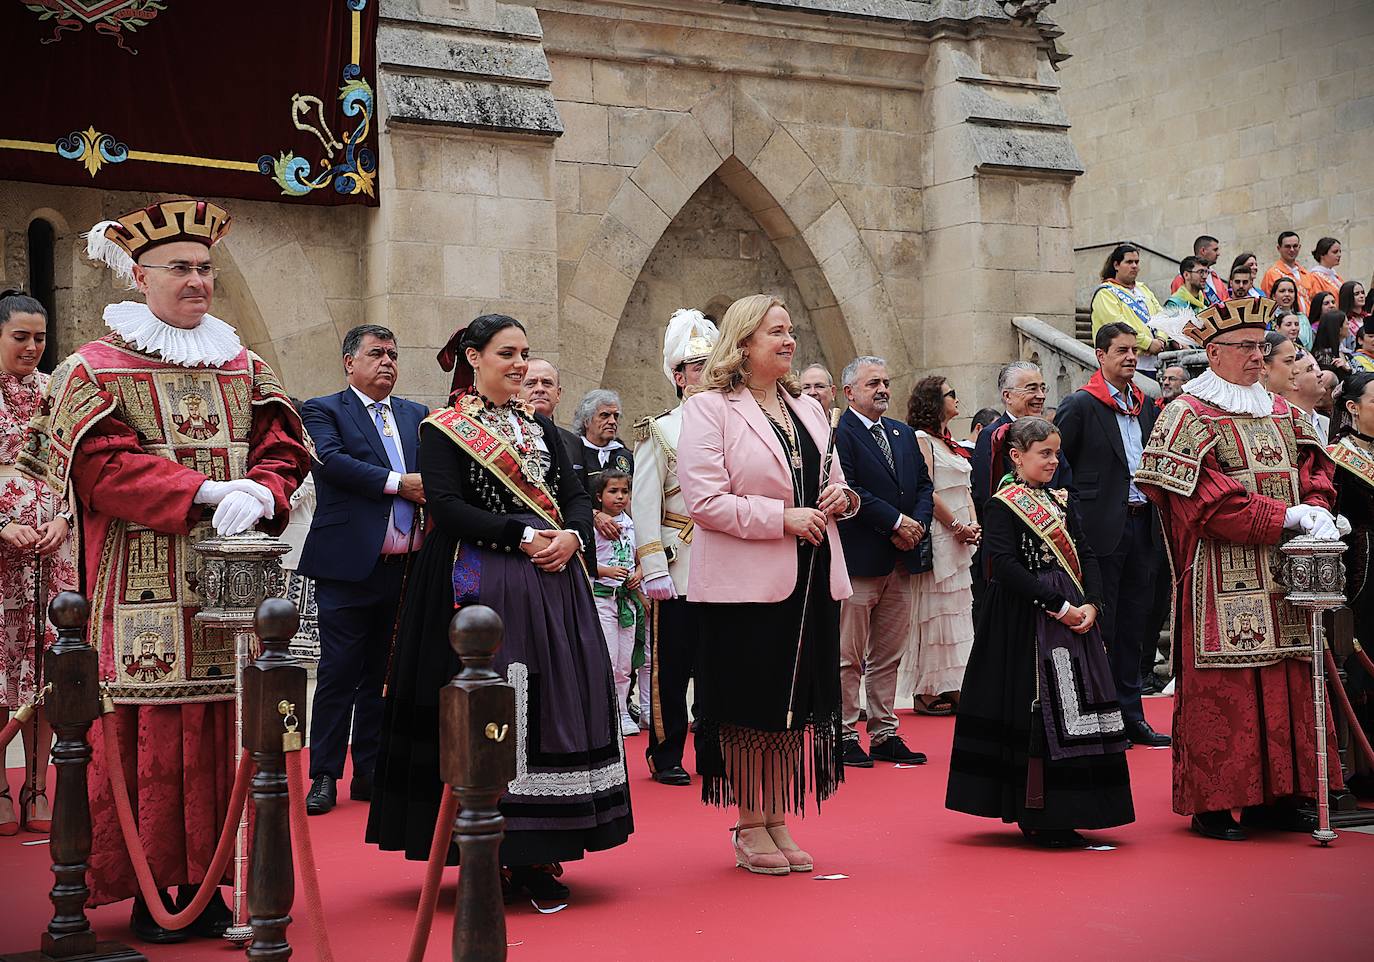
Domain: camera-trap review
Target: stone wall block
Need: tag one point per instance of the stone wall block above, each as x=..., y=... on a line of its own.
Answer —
x=850, y=270
x=997, y=200
x=716, y=116
x=815, y=291
x=752, y=126
x=572, y=79
x=597, y=185
x=633, y=208
x=795, y=252
x=515, y=224
x=575, y=232
x=599, y=285
x=781, y=165
x=635, y=130
x=745, y=186
x=689, y=152
x=586, y=137
x=1042, y=202
x=775, y=223
x=951, y=203
x=894, y=252
x=525, y=171
x=831, y=232
x=1056, y=248
x=661, y=184
x=619, y=84
x=472, y=272
x=529, y=276
x=810, y=200
x=567, y=186
x=414, y=269
x=425, y=215
x=585, y=332
x=1041, y=292
x=618, y=246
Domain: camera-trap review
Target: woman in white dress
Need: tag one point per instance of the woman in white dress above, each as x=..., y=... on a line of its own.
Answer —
x=942, y=623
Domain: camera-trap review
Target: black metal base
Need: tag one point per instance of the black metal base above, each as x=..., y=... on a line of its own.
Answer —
x=104, y=952
x=1307, y=819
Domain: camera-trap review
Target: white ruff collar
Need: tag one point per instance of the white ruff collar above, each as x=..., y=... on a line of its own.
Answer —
x=1253, y=401
x=212, y=343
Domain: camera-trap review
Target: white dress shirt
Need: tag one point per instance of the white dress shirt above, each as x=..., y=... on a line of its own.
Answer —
x=396, y=540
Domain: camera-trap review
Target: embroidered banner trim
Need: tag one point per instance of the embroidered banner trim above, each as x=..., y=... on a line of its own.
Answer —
x=1050, y=527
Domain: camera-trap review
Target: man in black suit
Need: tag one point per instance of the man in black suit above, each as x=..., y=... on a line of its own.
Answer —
x=1103, y=428
x=366, y=524
x=883, y=464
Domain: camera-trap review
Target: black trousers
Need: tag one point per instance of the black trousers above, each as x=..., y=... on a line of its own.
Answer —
x=357, y=620
x=1128, y=595
x=675, y=638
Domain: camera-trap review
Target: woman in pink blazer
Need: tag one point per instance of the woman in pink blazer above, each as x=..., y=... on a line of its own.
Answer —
x=749, y=461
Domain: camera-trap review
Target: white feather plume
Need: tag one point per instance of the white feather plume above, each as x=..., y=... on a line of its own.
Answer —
x=101, y=248
x=685, y=324
x=1171, y=321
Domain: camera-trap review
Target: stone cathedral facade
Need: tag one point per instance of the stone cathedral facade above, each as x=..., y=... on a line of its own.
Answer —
x=898, y=170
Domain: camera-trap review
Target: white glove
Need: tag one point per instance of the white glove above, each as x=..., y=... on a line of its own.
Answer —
x=1311, y=520
x=1323, y=528
x=661, y=588
x=1343, y=525
x=213, y=492
x=238, y=512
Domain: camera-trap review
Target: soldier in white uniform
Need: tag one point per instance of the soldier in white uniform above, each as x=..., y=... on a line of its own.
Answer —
x=663, y=534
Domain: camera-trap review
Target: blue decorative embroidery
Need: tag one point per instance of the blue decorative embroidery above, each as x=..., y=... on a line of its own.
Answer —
x=467, y=576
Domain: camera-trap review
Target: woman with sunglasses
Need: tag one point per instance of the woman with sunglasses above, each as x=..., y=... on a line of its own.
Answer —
x=942, y=628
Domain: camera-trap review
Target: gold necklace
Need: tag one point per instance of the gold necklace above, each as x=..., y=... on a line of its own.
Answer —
x=788, y=431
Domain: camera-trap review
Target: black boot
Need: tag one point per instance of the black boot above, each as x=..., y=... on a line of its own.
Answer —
x=146, y=930
x=538, y=882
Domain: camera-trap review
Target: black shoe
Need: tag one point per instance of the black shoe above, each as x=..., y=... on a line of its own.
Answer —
x=633, y=708
x=146, y=930
x=677, y=775
x=893, y=749
x=324, y=793
x=360, y=788
x=538, y=882
x=854, y=756
x=1218, y=825
x=1054, y=837
x=863, y=715
x=1140, y=733
x=213, y=921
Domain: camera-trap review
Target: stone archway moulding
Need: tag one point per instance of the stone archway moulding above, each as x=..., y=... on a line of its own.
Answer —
x=731, y=134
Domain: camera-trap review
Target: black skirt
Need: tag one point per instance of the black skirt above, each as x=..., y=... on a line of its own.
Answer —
x=744, y=677
x=993, y=736
x=570, y=795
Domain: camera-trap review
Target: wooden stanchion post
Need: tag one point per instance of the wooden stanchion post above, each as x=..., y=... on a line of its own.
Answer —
x=273, y=688
x=72, y=667
x=477, y=758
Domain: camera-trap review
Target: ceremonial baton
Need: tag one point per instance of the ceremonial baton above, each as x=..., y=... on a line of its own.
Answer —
x=826, y=463
x=40, y=638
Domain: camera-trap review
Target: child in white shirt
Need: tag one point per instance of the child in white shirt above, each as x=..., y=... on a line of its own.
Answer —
x=617, y=578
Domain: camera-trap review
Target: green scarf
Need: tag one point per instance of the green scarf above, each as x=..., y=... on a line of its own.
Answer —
x=629, y=611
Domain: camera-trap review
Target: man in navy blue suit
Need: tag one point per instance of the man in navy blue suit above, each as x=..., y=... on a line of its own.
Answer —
x=366, y=525
x=883, y=465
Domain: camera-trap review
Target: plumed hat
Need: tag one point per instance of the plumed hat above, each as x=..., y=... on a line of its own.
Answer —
x=689, y=338
x=1241, y=313
x=117, y=243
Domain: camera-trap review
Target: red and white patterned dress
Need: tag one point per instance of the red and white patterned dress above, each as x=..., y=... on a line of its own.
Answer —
x=27, y=502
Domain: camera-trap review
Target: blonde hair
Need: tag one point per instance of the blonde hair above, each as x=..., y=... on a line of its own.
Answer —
x=725, y=368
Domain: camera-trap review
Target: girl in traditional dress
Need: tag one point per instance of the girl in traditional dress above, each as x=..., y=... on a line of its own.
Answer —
x=1039, y=739
x=33, y=536
x=768, y=569
x=942, y=619
x=508, y=518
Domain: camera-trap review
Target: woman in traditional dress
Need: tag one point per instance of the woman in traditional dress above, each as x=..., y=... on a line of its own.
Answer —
x=1039, y=739
x=942, y=620
x=1353, y=452
x=769, y=572
x=508, y=520
x=34, y=551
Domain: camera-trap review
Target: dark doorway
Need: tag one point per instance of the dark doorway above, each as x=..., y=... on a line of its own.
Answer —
x=42, y=251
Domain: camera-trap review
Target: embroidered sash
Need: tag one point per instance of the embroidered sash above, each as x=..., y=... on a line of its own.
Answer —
x=498, y=457
x=1136, y=302
x=1356, y=460
x=1051, y=528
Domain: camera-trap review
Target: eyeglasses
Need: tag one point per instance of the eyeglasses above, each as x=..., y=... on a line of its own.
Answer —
x=952, y=393
x=1264, y=347
x=206, y=271
x=1030, y=389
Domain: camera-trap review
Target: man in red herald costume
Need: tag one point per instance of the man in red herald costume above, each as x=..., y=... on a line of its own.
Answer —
x=1232, y=468
x=168, y=431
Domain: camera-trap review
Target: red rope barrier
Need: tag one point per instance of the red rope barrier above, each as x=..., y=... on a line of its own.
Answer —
x=224, y=849
x=1355, y=729
x=305, y=855
x=434, y=870
x=1363, y=656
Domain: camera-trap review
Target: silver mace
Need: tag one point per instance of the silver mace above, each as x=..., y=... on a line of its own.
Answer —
x=1312, y=571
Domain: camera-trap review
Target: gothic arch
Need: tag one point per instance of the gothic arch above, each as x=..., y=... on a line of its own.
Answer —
x=730, y=134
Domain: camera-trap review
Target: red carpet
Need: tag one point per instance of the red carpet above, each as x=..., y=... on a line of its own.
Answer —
x=923, y=883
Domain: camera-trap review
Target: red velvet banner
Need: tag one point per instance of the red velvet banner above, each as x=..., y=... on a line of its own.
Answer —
x=232, y=98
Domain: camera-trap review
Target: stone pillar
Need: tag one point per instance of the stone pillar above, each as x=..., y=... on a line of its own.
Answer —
x=467, y=225
x=999, y=169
